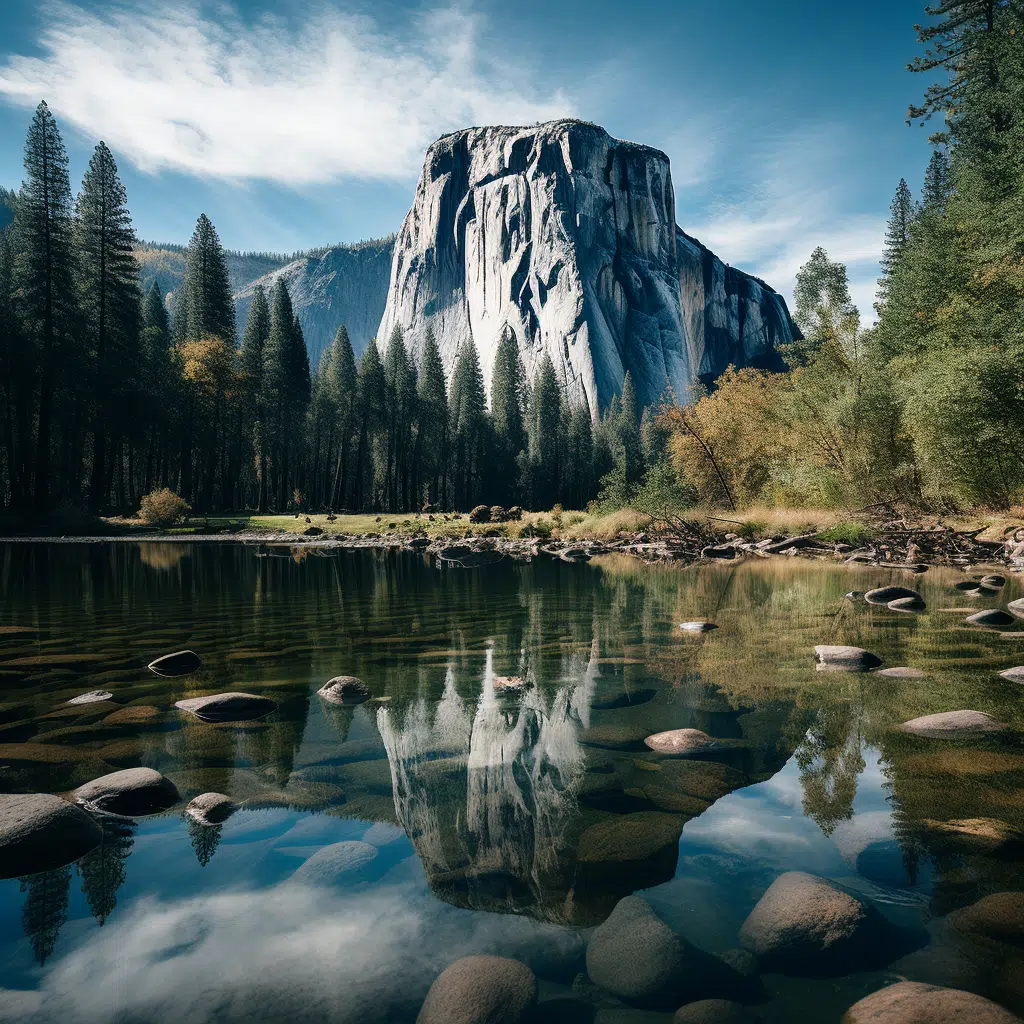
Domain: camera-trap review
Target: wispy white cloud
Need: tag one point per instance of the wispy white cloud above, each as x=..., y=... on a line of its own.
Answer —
x=176, y=88
x=790, y=194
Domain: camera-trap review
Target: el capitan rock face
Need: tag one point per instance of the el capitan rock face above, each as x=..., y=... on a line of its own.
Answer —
x=567, y=237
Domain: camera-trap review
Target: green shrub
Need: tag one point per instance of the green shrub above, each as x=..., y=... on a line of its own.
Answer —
x=846, y=533
x=163, y=508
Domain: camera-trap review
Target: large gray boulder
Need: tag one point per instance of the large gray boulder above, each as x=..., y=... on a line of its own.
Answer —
x=181, y=663
x=566, y=238
x=910, y=1002
x=883, y=595
x=637, y=957
x=953, y=724
x=680, y=741
x=39, y=832
x=131, y=792
x=806, y=925
x=481, y=990
x=993, y=617
x=1017, y=608
x=1014, y=675
x=211, y=808
x=228, y=707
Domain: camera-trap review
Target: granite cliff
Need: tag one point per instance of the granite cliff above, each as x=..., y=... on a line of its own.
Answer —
x=567, y=238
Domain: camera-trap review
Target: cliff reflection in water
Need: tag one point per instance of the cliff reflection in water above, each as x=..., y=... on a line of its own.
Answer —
x=486, y=796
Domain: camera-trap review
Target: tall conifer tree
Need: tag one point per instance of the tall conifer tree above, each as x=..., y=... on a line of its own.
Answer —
x=507, y=410
x=467, y=426
x=897, y=237
x=205, y=306
x=433, y=434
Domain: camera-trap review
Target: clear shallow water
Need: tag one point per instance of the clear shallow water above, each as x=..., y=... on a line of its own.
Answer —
x=477, y=803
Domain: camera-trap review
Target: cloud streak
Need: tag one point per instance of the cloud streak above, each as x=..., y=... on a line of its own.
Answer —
x=177, y=90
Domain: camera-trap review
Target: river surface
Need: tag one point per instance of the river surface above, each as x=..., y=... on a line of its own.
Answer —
x=482, y=819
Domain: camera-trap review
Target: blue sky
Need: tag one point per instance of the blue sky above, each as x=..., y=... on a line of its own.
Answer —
x=295, y=124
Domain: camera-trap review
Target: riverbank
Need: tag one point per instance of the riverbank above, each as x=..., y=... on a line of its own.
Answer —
x=875, y=536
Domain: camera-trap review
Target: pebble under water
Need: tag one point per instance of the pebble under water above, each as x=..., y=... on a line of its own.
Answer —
x=495, y=795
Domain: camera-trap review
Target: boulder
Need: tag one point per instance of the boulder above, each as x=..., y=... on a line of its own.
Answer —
x=968, y=586
x=952, y=724
x=329, y=863
x=719, y=551
x=614, y=737
x=469, y=558
x=630, y=838
x=843, y=658
x=312, y=531
x=514, y=514
x=901, y=672
x=39, y=832
x=181, y=663
x=1017, y=608
x=698, y=627
x=680, y=741
x=1014, y=675
x=806, y=925
x=993, y=579
x=480, y=514
x=637, y=957
x=975, y=835
x=344, y=690
x=713, y=1011
x=481, y=990
x=907, y=604
x=996, y=921
x=131, y=792
x=211, y=808
x=883, y=595
x=911, y=1002
x=92, y=697
x=990, y=617
x=228, y=707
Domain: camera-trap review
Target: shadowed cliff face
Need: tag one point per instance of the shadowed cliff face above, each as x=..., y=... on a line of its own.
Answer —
x=567, y=238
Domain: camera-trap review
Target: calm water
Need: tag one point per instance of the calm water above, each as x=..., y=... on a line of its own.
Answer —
x=475, y=804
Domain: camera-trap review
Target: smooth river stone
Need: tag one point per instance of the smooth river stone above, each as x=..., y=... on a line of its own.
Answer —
x=680, y=741
x=901, y=672
x=1015, y=675
x=843, y=658
x=907, y=604
x=481, y=990
x=911, y=1002
x=92, y=697
x=345, y=690
x=1017, y=608
x=951, y=724
x=714, y=1011
x=132, y=792
x=211, y=808
x=990, y=617
x=39, y=832
x=698, y=627
x=181, y=663
x=228, y=707
x=883, y=595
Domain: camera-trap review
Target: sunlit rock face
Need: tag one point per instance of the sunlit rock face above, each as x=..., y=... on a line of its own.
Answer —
x=567, y=238
x=486, y=794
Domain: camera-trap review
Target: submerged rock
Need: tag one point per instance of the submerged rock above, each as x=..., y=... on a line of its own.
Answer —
x=481, y=990
x=975, y=835
x=328, y=864
x=911, y=1002
x=996, y=921
x=629, y=837
x=990, y=617
x=92, y=697
x=680, y=741
x=698, y=627
x=211, y=808
x=968, y=586
x=806, y=925
x=843, y=658
x=901, y=672
x=907, y=604
x=181, y=663
x=228, y=707
x=951, y=724
x=637, y=957
x=1017, y=608
x=39, y=832
x=344, y=690
x=714, y=1011
x=883, y=595
x=131, y=792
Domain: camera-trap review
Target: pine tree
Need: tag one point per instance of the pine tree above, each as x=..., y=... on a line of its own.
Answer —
x=432, y=436
x=467, y=426
x=160, y=388
x=507, y=402
x=545, y=421
x=15, y=382
x=341, y=380
x=627, y=429
x=45, y=910
x=205, y=307
x=103, y=869
x=44, y=267
x=371, y=409
x=400, y=378
x=897, y=237
x=938, y=186
x=109, y=301
x=579, y=458
x=254, y=340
